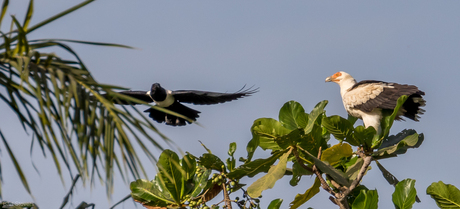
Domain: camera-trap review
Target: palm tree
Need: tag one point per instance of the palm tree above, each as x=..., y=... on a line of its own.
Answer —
x=62, y=105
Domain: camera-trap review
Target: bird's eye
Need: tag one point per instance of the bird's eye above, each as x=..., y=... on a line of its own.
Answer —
x=338, y=74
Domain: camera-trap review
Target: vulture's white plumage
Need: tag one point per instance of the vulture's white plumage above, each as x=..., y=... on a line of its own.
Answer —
x=367, y=99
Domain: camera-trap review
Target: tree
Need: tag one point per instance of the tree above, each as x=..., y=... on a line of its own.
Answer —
x=302, y=139
x=63, y=106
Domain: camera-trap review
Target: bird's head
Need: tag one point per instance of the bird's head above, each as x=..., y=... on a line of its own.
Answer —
x=338, y=77
x=157, y=92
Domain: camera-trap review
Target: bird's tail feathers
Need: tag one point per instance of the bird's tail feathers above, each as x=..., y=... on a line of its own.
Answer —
x=173, y=120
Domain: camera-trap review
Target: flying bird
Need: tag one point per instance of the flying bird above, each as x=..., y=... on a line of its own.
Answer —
x=172, y=100
x=367, y=99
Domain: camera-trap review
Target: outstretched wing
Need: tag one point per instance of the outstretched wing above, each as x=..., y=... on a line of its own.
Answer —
x=141, y=95
x=207, y=98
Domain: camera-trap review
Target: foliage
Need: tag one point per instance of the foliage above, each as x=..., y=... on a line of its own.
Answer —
x=62, y=105
x=445, y=195
x=302, y=139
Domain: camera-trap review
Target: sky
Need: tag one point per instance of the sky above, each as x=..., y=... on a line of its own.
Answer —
x=286, y=48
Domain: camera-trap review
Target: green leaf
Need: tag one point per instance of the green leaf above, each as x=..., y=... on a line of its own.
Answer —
x=188, y=164
x=300, y=199
x=55, y=17
x=211, y=161
x=289, y=139
x=314, y=115
x=334, y=154
x=404, y=195
x=4, y=8
x=266, y=130
x=363, y=136
x=171, y=174
x=292, y=116
x=268, y=181
x=200, y=183
x=340, y=127
x=30, y=11
x=148, y=192
x=445, y=195
x=275, y=204
x=411, y=141
x=388, y=120
x=232, y=149
x=337, y=175
x=255, y=167
x=353, y=170
x=297, y=172
x=391, y=179
x=366, y=200
x=16, y=164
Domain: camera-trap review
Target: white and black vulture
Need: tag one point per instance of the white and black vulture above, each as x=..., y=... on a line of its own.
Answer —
x=172, y=100
x=367, y=99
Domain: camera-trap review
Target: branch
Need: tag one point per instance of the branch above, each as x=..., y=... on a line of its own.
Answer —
x=367, y=162
x=227, y=200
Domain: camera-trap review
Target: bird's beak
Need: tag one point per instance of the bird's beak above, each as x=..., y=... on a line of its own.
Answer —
x=329, y=79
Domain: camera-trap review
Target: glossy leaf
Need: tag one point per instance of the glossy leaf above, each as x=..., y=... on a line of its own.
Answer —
x=300, y=199
x=188, y=164
x=289, y=139
x=268, y=181
x=232, y=149
x=266, y=130
x=211, y=161
x=200, y=183
x=391, y=179
x=363, y=136
x=292, y=116
x=171, y=174
x=340, y=127
x=275, y=204
x=147, y=192
x=315, y=115
x=353, y=170
x=337, y=175
x=388, y=120
x=445, y=195
x=411, y=141
x=366, y=200
x=255, y=167
x=404, y=195
x=334, y=154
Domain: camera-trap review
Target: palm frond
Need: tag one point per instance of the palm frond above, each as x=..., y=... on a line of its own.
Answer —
x=61, y=104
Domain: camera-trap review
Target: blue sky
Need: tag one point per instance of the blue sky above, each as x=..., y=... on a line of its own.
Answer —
x=287, y=48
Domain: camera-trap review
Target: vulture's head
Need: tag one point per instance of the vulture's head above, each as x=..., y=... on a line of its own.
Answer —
x=338, y=77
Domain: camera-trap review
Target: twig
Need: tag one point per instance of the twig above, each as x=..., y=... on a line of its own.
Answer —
x=124, y=199
x=367, y=162
x=315, y=171
x=66, y=198
x=296, y=154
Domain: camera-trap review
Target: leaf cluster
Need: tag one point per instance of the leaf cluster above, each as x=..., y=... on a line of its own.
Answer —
x=302, y=139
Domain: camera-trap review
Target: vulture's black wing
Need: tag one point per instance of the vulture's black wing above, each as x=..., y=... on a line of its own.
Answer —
x=388, y=98
x=207, y=98
x=141, y=95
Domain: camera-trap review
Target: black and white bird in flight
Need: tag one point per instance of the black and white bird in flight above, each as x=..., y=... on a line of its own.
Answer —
x=367, y=99
x=172, y=100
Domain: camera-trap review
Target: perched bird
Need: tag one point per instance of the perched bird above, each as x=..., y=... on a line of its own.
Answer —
x=367, y=99
x=172, y=100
